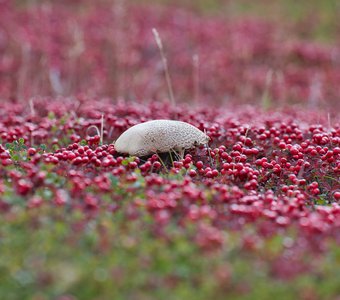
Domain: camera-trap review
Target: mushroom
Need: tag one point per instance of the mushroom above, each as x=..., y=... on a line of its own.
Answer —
x=159, y=136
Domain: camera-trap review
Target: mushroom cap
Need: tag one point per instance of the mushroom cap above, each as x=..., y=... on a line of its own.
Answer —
x=159, y=136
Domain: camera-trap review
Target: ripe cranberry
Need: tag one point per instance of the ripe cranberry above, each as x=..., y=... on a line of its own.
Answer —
x=315, y=191
x=119, y=159
x=178, y=164
x=71, y=156
x=77, y=161
x=6, y=162
x=157, y=165
x=187, y=160
x=23, y=187
x=192, y=173
x=132, y=165
x=97, y=163
x=31, y=151
x=81, y=150
x=199, y=165
x=4, y=155
x=336, y=195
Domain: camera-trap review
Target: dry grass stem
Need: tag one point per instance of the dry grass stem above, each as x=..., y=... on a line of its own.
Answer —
x=165, y=65
x=196, y=77
x=102, y=129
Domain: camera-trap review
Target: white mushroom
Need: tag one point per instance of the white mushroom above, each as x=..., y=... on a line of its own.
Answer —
x=159, y=136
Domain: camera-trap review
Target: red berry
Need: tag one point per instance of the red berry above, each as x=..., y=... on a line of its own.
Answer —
x=31, y=151
x=199, y=165
x=336, y=195
x=192, y=173
x=157, y=165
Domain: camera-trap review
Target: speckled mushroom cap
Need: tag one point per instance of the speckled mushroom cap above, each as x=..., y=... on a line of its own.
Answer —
x=159, y=136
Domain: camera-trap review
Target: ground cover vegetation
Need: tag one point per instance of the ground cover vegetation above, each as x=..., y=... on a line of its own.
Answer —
x=254, y=214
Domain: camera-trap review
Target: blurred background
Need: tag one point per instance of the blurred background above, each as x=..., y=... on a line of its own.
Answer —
x=272, y=53
x=318, y=19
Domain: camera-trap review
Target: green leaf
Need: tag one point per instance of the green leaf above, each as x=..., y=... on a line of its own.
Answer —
x=51, y=115
x=15, y=157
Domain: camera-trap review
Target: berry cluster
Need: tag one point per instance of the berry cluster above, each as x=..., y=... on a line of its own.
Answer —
x=276, y=171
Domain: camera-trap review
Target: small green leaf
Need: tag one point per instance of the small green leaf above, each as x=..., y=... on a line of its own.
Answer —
x=51, y=115
x=15, y=157
x=125, y=162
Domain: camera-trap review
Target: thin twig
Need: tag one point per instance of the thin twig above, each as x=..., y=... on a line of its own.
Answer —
x=165, y=64
x=177, y=154
x=208, y=150
x=196, y=77
x=247, y=130
x=162, y=162
x=299, y=176
x=209, y=153
x=31, y=138
x=31, y=104
x=266, y=100
x=172, y=160
x=110, y=132
x=329, y=121
x=102, y=130
x=95, y=127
